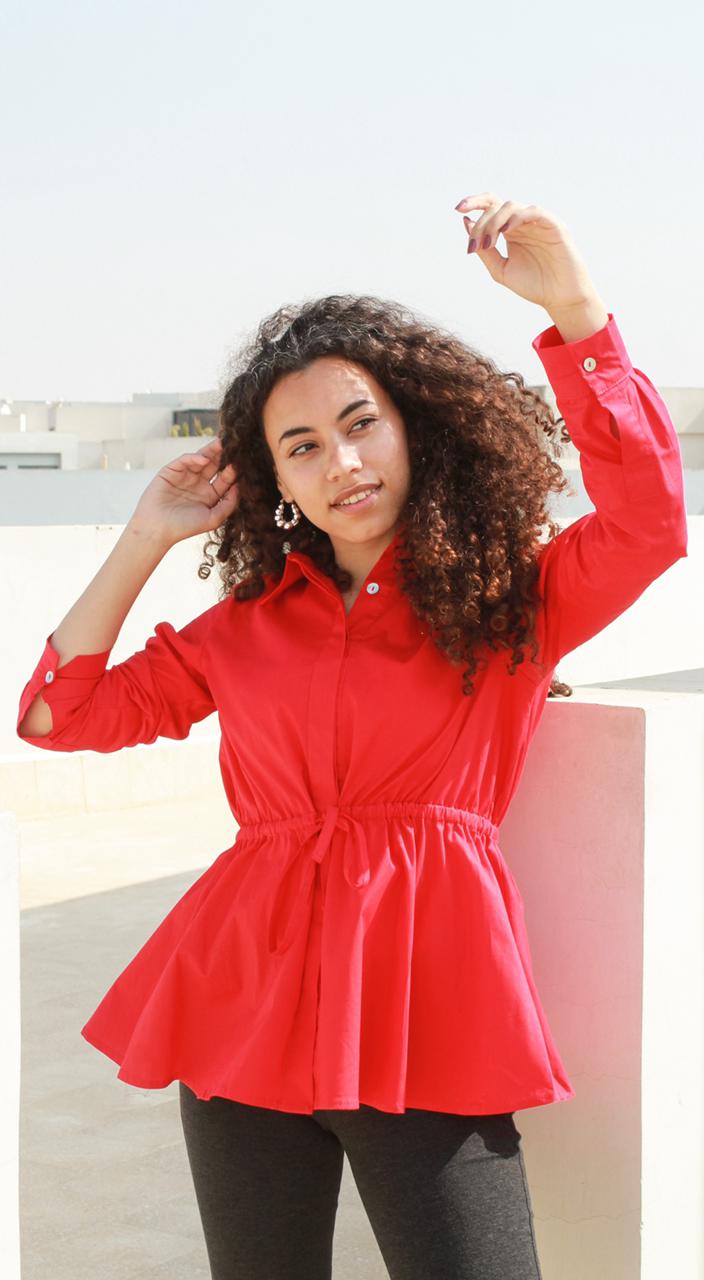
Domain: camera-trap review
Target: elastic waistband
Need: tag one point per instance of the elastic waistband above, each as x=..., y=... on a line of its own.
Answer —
x=383, y=809
x=287, y=922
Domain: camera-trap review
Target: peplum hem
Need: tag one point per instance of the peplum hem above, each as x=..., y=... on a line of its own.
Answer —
x=366, y=954
x=204, y=1092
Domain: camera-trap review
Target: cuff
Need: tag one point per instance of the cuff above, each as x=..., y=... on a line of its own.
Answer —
x=592, y=364
x=82, y=670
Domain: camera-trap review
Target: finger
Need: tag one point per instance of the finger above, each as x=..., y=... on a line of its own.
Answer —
x=211, y=453
x=188, y=463
x=481, y=200
x=482, y=224
x=485, y=232
x=226, y=477
x=529, y=213
x=223, y=481
x=493, y=261
x=225, y=504
x=191, y=469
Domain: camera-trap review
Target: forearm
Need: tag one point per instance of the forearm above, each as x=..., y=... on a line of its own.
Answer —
x=93, y=623
x=580, y=321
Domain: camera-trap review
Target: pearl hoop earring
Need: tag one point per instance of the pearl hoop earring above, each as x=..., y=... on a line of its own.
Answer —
x=279, y=516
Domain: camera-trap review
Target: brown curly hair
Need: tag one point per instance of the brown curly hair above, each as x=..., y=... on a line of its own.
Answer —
x=480, y=475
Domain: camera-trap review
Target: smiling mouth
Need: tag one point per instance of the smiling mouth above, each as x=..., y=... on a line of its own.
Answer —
x=359, y=501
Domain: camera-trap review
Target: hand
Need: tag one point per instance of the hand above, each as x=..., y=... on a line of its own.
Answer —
x=187, y=496
x=543, y=264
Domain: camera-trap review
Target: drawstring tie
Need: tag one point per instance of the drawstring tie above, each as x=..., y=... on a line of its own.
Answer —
x=302, y=871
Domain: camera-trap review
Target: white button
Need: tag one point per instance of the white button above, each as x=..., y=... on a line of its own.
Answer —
x=372, y=588
x=589, y=364
x=48, y=677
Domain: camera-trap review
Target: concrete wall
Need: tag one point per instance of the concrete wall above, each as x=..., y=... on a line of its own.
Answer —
x=605, y=837
x=10, y=1046
x=43, y=573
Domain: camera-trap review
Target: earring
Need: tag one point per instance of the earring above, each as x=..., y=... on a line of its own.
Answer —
x=279, y=516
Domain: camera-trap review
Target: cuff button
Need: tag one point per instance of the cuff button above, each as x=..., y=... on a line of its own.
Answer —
x=48, y=677
x=589, y=364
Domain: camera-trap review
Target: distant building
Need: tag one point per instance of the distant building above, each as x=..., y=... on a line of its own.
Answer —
x=71, y=435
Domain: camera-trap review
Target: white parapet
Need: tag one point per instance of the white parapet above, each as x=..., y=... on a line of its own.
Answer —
x=605, y=837
x=10, y=1050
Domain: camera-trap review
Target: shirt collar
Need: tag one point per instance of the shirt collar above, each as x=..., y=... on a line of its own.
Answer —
x=299, y=564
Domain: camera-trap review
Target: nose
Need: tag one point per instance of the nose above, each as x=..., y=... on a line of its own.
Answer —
x=345, y=460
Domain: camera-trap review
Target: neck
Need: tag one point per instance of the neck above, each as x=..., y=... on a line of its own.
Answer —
x=359, y=557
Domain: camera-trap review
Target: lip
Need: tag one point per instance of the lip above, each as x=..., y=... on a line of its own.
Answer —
x=359, y=506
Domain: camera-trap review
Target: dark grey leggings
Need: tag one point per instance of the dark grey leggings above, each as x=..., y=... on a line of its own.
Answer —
x=446, y=1195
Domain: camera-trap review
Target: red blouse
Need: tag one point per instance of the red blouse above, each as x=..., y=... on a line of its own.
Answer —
x=363, y=939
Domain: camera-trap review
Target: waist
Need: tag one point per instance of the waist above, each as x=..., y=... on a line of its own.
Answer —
x=317, y=828
x=387, y=809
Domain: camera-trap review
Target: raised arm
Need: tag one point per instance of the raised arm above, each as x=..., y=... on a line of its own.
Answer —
x=71, y=702
x=632, y=468
x=93, y=623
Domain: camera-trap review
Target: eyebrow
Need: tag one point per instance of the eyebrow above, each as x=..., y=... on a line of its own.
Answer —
x=297, y=431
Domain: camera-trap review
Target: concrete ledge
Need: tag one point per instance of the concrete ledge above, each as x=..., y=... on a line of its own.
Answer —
x=10, y=1050
x=605, y=837
x=48, y=783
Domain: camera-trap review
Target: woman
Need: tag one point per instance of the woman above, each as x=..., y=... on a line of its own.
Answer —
x=353, y=974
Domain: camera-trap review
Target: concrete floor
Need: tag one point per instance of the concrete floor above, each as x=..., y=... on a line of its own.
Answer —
x=105, y=1186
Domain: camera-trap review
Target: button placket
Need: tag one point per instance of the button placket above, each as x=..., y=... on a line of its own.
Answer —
x=322, y=713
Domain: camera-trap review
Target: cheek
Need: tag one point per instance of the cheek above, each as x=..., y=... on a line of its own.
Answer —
x=392, y=449
x=400, y=461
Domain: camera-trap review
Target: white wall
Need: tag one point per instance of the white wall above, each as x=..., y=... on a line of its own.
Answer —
x=10, y=1047
x=43, y=572
x=605, y=837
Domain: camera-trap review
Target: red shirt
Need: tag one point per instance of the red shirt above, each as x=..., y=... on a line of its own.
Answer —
x=363, y=939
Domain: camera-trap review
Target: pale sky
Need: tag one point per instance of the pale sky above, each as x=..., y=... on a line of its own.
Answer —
x=172, y=173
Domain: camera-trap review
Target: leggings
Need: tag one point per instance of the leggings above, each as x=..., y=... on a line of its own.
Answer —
x=446, y=1195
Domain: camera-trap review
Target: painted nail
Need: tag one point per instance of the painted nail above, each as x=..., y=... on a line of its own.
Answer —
x=486, y=242
x=471, y=246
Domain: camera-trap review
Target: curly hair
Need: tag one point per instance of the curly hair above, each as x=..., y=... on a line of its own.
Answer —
x=480, y=474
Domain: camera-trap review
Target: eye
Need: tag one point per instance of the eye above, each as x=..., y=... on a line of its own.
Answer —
x=310, y=443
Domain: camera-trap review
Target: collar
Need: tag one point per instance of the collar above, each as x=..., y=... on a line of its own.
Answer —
x=299, y=564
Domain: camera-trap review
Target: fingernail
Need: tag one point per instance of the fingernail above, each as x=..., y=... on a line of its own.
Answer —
x=486, y=242
x=471, y=246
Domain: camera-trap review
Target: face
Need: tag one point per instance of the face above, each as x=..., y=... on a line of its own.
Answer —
x=321, y=445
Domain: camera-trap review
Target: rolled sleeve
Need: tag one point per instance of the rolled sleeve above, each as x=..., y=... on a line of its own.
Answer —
x=160, y=691
x=631, y=464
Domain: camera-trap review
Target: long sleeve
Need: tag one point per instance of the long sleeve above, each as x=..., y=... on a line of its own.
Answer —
x=632, y=468
x=160, y=691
